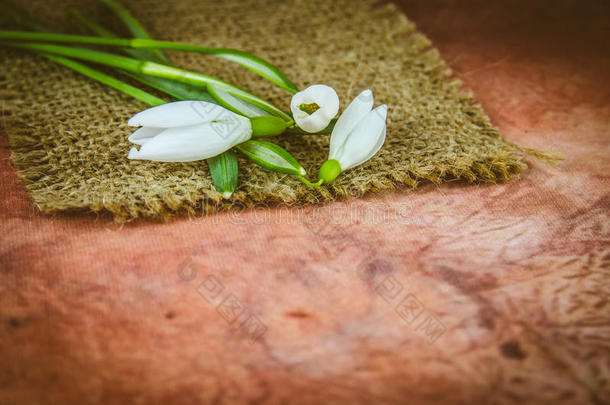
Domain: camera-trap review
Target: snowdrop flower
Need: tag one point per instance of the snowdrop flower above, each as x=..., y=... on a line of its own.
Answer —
x=185, y=131
x=314, y=107
x=358, y=134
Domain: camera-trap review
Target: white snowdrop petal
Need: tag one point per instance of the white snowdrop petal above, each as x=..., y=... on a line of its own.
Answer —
x=299, y=115
x=371, y=153
x=143, y=134
x=178, y=114
x=133, y=153
x=364, y=140
x=353, y=114
x=298, y=99
x=326, y=97
x=314, y=122
x=195, y=142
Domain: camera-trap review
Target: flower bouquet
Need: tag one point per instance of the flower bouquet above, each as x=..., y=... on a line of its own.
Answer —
x=209, y=119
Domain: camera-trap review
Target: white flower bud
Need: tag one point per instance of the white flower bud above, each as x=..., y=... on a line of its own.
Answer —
x=314, y=107
x=185, y=131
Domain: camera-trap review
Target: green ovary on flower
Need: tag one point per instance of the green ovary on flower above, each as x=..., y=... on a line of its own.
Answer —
x=329, y=171
x=267, y=125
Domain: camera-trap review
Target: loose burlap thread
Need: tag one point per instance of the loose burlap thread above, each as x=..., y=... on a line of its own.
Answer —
x=68, y=134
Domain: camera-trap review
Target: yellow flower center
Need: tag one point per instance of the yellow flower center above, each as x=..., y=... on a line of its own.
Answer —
x=309, y=108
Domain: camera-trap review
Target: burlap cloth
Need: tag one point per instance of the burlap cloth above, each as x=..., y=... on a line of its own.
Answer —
x=68, y=134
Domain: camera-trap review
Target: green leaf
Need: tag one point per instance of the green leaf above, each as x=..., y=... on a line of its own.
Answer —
x=255, y=64
x=249, y=61
x=181, y=91
x=136, y=66
x=97, y=29
x=224, y=169
x=136, y=29
x=271, y=157
x=110, y=81
x=94, y=74
x=235, y=104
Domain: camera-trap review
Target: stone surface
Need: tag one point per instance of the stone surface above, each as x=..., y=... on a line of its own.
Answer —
x=453, y=294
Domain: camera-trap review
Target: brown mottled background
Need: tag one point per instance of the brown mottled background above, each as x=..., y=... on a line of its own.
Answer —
x=507, y=286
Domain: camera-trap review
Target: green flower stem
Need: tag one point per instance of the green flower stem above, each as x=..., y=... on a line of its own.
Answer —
x=175, y=89
x=310, y=184
x=152, y=69
x=22, y=19
x=123, y=87
x=298, y=131
x=249, y=61
x=136, y=29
